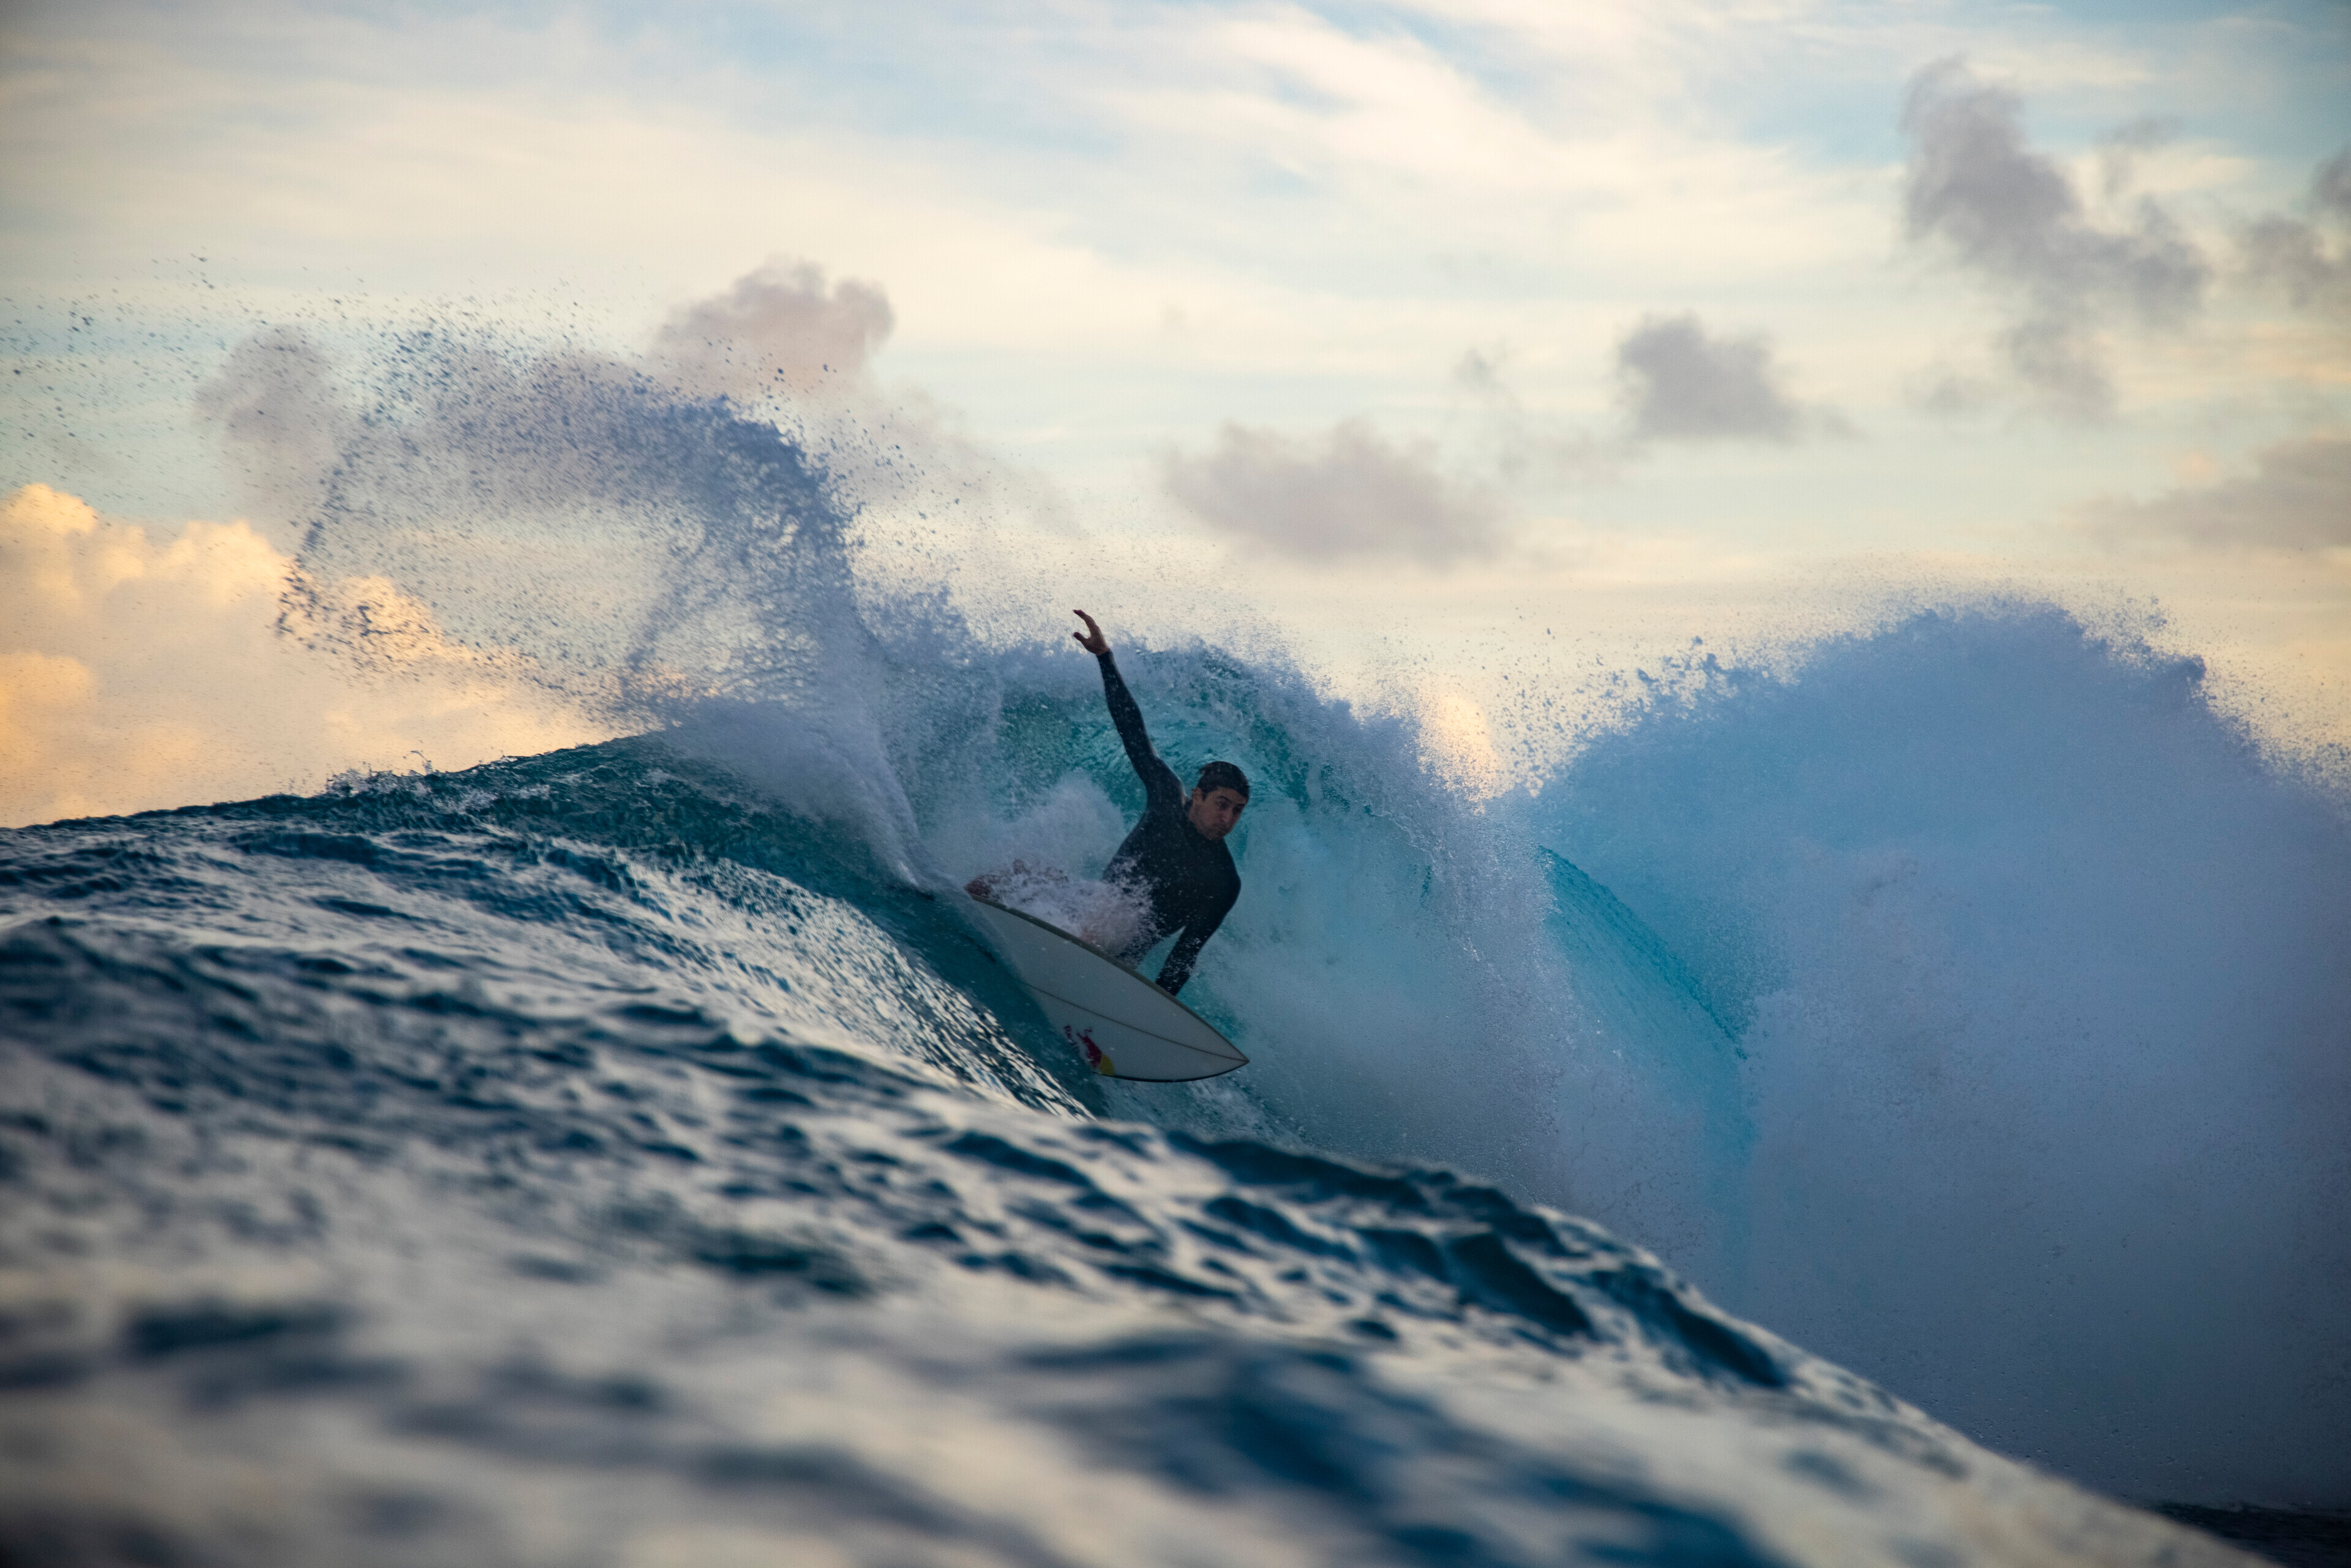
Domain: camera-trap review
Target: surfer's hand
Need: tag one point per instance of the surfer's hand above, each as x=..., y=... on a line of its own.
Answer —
x=1091, y=639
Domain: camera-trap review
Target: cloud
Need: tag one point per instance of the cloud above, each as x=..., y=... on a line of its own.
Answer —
x=1681, y=383
x=141, y=670
x=503, y=489
x=1946, y=392
x=2310, y=257
x=2013, y=216
x=275, y=402
x=276, y=394
x=776, y=329
x=2298, y=497
x=625, y=522
x=463, y=429
x=1523, y=447
x=2119, y=154
x=1350, y=492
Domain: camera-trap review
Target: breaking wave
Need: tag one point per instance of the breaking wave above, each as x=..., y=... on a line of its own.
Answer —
x=634, y=1144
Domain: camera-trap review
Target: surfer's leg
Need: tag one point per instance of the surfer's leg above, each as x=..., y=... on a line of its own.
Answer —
x=1113, y=920
x=1019, y=884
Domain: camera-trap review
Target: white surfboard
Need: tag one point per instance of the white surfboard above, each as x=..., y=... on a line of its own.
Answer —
x=1124, y=1026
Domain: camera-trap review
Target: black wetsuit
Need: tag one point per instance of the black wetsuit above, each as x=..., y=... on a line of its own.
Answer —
x=1186, y=879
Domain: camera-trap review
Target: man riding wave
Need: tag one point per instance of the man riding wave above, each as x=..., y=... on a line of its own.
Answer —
x=1174, y=864
x=1175, y=857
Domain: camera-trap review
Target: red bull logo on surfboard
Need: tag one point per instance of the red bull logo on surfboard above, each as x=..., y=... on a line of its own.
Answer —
x=1096, y=1057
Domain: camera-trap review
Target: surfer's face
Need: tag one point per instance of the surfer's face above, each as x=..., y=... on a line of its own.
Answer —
x=1214, y=812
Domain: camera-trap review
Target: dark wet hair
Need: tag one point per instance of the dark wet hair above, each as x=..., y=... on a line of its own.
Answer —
x=1223, y=775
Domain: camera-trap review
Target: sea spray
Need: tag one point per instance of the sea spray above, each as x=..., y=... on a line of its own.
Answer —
x=688, y=568
x=2038, y=963
x=1946, y=891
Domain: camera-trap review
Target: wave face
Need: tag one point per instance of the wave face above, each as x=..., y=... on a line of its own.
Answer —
x=572, y=1161
x=629, y=1154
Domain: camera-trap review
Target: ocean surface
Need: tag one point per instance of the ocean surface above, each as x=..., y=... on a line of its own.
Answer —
x=1890, y=1108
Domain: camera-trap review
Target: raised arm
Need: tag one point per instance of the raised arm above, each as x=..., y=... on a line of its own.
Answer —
x=1186, y=951
x=1160, y=785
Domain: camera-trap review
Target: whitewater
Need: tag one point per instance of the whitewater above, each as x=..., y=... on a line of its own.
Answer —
x=1882, y=1108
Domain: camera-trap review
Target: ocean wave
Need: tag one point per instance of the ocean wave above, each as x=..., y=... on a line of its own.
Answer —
x=632, y=1154
x=505, y=1194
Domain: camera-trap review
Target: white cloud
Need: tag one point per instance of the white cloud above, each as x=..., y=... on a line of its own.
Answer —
x=283, y=418
x=2297, y=498
x=776, y=329
x=2015, y=215
x=139, y=670
x=1682, y=382
x=1350, y=492
x=2309, y=257
x=1523, y=447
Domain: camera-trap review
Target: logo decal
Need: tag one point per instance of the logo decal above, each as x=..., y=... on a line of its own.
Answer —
x=1096, y=1058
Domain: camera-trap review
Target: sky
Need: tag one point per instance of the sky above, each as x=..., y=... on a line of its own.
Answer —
x=1458, y=348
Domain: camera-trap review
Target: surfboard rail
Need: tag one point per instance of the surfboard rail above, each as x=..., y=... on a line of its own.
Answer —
x=1091, y=1007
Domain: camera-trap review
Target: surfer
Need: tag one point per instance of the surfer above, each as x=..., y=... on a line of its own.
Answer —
x=1175, y=860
